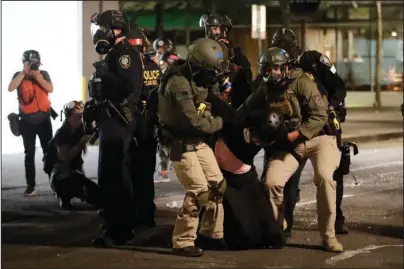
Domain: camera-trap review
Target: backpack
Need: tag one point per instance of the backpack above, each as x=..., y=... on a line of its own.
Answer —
x=49, y=158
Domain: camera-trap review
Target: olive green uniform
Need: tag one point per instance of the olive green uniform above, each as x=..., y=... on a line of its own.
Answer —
x=196, y=168
x=310, y=110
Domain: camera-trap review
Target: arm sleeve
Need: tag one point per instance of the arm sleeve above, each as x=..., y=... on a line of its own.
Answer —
x=317, y=109
x=241, y=60
x=182, y=95
x=46, y=76
x=15, y=75
x=331, y=80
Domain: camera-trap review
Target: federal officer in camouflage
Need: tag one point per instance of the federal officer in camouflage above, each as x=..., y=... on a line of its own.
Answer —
x=330, y=84
x=305, y=111
x=186, y=120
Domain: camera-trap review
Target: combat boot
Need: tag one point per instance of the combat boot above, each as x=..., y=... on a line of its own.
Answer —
x=65, y=204
x=190, y=251
x=210, y=243
x=332, y=245
x=340, y=227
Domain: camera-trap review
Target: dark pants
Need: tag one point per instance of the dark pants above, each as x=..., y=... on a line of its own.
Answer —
x=291, y=192
x=76, y=185
x=29, y=131
x=114, y=179
x=143, y=166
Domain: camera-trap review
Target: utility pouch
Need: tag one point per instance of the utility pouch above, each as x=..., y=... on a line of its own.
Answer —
x=177, y=148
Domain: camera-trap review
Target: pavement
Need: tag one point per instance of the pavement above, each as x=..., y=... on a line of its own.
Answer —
x=36, y=233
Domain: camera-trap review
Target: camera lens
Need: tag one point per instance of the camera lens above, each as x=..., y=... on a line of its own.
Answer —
x=34, y=67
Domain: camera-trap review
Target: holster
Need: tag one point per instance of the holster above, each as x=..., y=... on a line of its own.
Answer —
x=178, y=147
x=333, y=127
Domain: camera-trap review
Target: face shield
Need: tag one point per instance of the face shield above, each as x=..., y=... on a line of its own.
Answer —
x=103, y=38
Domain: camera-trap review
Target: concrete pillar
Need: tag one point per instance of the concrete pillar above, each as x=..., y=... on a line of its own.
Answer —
x=350, y=45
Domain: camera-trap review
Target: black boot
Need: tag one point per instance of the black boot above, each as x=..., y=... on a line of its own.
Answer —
x=340, y=227
x=211, y=244
x=190, y=251
x=65, y=204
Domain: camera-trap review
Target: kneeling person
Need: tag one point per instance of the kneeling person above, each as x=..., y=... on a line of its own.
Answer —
x=67, y=178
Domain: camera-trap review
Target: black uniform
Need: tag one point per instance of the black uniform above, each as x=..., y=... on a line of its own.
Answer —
x=144, y=152
x=122, y=82
x=243, y=78
x=332, y=85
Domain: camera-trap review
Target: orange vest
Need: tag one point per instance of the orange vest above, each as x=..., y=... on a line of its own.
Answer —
x=32, y=98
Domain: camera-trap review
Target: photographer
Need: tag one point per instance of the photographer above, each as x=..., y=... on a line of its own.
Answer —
x=33, y=87
x=68, y=180
x=115, y=89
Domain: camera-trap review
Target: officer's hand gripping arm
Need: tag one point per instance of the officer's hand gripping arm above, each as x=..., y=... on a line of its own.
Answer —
x=181, y=93
x=317, y=109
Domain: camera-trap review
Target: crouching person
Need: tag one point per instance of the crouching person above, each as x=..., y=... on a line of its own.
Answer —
x=67, y=177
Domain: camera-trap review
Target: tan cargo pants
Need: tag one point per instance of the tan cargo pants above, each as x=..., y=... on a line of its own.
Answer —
x=325, y=157
x=195, y=171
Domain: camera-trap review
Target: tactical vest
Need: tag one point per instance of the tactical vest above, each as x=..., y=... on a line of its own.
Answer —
x=168, y=117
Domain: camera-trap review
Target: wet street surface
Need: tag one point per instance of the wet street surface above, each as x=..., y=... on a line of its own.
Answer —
x=37, y=234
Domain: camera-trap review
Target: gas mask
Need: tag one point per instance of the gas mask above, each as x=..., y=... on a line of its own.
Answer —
x=206, y=77
x=103, y=38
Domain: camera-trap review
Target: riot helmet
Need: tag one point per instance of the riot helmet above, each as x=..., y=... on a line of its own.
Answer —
x=103, y=26
x=162, y=45
x=216, y=26
x=167, y=59
x=207, y=61
x=33, y=58
x=285, y=38
x=272, y=64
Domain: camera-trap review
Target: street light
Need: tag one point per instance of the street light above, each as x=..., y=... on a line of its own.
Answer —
x=393, y=33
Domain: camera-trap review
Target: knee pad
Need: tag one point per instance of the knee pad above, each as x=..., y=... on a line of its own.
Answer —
x=190, y=205
x=214, y=194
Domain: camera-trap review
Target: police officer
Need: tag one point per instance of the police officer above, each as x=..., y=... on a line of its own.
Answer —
x=160, y=46
x=115, y=101
x=305, y=111
x=144, y=151
x=330, y=84
x=235, y=86
x=186, y=120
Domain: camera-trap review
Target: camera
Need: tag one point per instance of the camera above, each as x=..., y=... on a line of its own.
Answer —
x=34, y=65
x=95, y=83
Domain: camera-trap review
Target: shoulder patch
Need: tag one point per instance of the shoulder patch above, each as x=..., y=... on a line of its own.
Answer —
x=325, y=60
x=125, y=61
x=319, y=100
x=182, y=96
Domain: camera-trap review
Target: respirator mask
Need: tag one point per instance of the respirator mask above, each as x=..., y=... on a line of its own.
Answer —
x=207, y=77
x=103, y=38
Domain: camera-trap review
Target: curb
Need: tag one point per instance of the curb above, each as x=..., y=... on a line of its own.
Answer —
x=373, y=138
